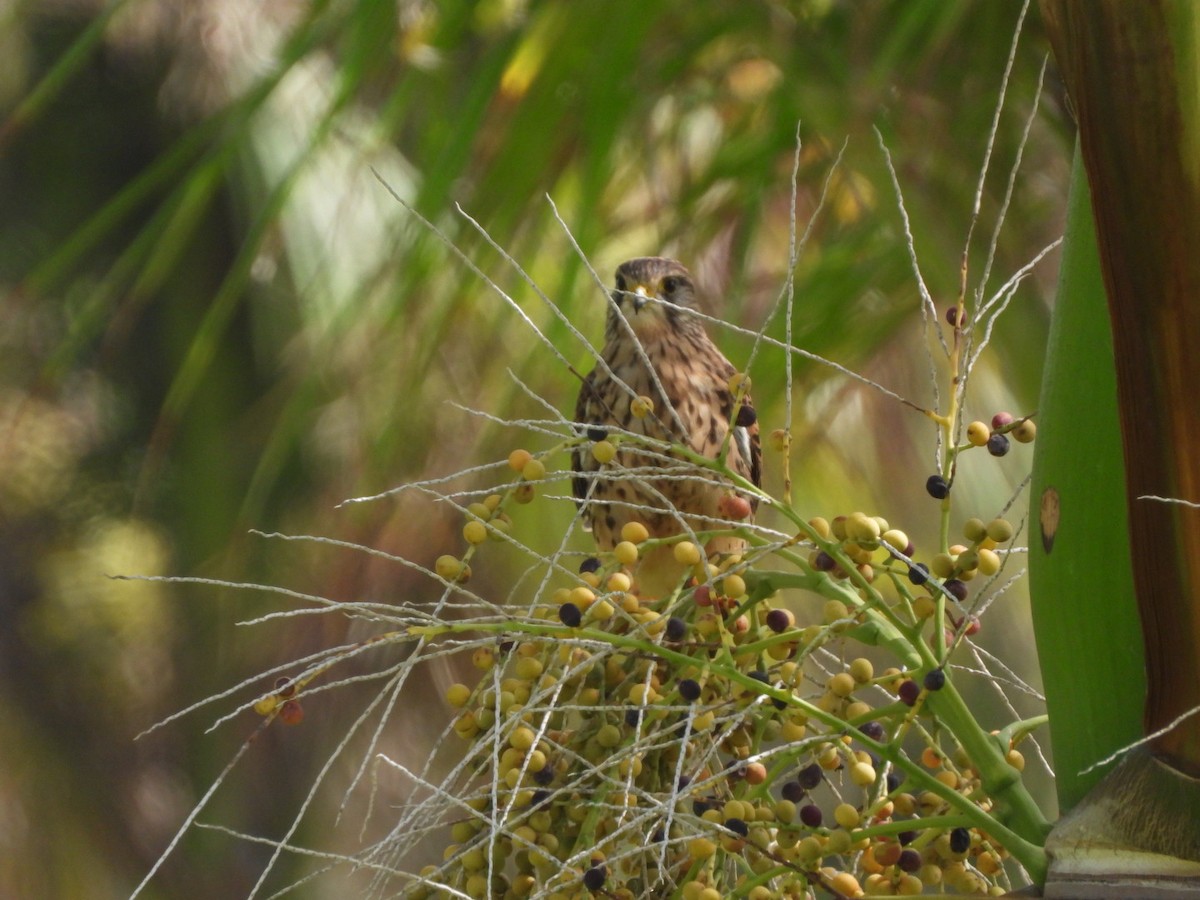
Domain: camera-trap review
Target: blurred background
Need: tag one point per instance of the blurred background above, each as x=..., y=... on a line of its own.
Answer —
x=216, y=318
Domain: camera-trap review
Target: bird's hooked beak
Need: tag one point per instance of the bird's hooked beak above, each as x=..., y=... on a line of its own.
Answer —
x=639, y=298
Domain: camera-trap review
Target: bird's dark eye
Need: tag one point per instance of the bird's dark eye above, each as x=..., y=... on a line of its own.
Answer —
x=669, y=284
x=620, y=282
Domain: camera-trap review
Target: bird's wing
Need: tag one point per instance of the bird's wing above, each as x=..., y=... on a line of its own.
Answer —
x=584, y=413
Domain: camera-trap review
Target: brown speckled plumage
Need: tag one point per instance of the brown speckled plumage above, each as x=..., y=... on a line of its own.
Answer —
x=694, y=376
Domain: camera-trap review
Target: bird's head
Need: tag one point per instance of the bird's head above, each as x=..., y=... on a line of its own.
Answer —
x=641, y=286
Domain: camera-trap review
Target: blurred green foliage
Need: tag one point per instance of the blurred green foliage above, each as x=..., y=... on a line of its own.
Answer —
x=217, y=318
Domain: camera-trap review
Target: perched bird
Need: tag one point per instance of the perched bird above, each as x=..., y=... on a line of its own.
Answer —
x=692, y=405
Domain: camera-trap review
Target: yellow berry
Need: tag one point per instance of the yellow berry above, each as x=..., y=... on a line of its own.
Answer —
x=862, y=774
x=846, y=815
x=942, y=565
x=842, y=684
x=835, y=610
x=1015, y=759
x=465, y=725
x=896, y=538
x=686, y=553
x=534, y=470
x=1025, y=432
x=924, y=606
x=448, y=567
x=266, y=705
x=601, y=610
x=701, y=848
x=626, y=553
x=858, y=709
x=634, y=532
x=978, y=433
x=603, y=452
x=457, y=695
x=518, y=458
x=528, y=668
x=862, y=528
x=974, y=530
x=861, y=670
x=582, y=597
x=641, y=407
x=608, y=736
x=475, y=532
x=989, y=562
x=1000, y=530
x=733, y=586
x=619, y=582
x=739, y=382
x=846, y=885
x=821, y=527
x=483, y=658
x=522, y=738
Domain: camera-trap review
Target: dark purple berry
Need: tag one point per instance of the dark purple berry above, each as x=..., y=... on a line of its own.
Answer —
x=908, y=861
x=544, y=775
x=540, y=797
x=593, y=878
x=570, y=615
x=918, y=573
x=825, y=562
x=633, y=717
x=893, y=782
x=596, y=434
x=906, y=837
x=810, y=776
x=738, y=827
x=676, y=629
x=960, y=840
x=998, y=444
x=760, y=675
x=937, y=487
x=810, y=815
x=701, y=806
x=957, y=589
x=746, y=416
x=794, y=791
x=909, y=692
x=689, y=690
x=591, y=564
x=935, y=680
x=779, y=620
x=873, y=730
x=952, y=315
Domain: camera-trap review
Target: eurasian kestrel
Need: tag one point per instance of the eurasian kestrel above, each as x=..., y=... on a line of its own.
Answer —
x=692, y=405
